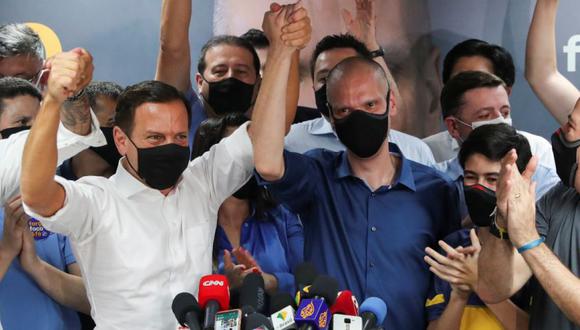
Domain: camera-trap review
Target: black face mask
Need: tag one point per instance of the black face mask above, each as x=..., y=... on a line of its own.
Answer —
x=160, y=167
x=361, y=132
x=565, y=157
x=481, y=202
x=321, y=101
x=12, y=130
x=249, y=190
x=229, y=96
x=109, y=151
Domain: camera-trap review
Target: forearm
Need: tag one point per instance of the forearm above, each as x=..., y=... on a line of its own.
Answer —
x=5, y=261
x=268, y=129
x=66, y=289
x=173, y=62
x=497, y=279
x=555, y=91
x=558, y=281
x=39, y=160
x=76, y=116
x=510, y=315
x=293, y=90
x=451, y=317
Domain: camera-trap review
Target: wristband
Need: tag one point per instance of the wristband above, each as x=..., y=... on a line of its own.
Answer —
x=531, y=245
x=496, y=230
x=378, y=53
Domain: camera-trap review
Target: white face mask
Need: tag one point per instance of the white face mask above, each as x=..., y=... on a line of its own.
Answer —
x=498, y=120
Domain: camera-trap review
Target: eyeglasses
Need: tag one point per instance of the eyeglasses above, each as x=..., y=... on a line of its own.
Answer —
x=36, y=79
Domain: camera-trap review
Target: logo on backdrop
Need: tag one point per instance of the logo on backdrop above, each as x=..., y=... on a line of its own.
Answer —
x=571, y=49
x=48, y=37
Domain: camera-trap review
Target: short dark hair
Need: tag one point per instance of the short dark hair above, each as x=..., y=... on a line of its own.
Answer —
x=11, y=87
x=338, y=41
x=102, y=88
x=453, y=91
x=227, y=40
x=150, y=91
x=503, y=63
x=19, y=39
x=494, y=142
x=256, y=38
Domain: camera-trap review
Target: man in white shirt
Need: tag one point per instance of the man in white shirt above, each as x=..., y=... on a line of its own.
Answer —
x=145, y=234
x=332, y=49
x=475, y=98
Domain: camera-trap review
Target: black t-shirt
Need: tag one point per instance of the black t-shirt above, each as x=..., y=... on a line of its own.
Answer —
x=558, y=220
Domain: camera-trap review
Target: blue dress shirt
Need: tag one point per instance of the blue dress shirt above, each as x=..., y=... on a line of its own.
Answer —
x=276, y=242
x=372, y=242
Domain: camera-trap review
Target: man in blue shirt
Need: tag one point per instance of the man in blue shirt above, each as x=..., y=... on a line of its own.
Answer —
x=368, y=212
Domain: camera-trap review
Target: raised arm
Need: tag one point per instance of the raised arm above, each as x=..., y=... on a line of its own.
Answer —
x=268, y=129
x=69, y=73
x=556, y=92
x=174, y=61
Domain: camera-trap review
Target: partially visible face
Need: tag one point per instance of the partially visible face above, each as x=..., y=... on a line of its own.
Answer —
x=479, y=104
x=326, y=61
x=400, y=26
x=21, y=66
x=19, y=111
x=571, y=132
x=481, y=170
x=227, y=61
x=472, y=63
x=154, y=124
x=361, y=91
x=105, y=110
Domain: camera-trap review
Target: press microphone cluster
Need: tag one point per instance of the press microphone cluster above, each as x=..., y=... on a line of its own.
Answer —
x=317, y=305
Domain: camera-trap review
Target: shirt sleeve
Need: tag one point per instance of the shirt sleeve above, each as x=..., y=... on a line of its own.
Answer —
x=452, y=221
x=296, y=187
x=543, y=213
x=68, y=144
x=226, y=167
x=75, y=219
x=437, y=299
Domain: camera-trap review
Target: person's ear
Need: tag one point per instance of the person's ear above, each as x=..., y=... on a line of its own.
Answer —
x=121, y=140
x=508, y=90
x=198, y=81
x=451, y=125
x=392, y=104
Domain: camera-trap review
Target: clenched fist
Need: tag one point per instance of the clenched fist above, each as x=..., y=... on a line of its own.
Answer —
x=70, y=72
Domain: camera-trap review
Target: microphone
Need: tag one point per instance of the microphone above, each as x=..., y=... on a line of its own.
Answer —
x=373, y=312
x=253, y=293
x=345, y=304
x=214, y=296
x=186, y=310
x=304, y=275
x=257, y=321
x=282, y=309
x=346, y=322
x=313, y=313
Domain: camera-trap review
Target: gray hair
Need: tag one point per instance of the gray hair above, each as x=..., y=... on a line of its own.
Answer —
x=19, y=39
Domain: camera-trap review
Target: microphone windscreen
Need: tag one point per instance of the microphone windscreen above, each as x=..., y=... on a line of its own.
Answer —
x=253, y=293
x=258, y=321
x=214, y=287
x=325, y=287
x=281, y=300
x=182, y=304
x=345, y=304
x=376, y=306
x=305, y=274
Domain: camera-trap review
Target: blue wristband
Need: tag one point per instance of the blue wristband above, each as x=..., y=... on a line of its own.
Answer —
x=531, y=245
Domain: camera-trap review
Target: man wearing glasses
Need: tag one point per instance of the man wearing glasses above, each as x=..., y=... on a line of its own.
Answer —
x=21, y=53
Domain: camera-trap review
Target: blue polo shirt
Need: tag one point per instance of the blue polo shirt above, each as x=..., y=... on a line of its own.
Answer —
x=23, y=304
x=372, y=242
x=276, y=242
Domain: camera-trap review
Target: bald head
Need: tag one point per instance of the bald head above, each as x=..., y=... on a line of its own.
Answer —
x=355, y=71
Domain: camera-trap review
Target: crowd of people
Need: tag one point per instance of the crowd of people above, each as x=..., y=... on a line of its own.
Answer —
x=116, y=199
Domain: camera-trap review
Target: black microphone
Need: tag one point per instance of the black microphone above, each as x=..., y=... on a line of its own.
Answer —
x=186, y=310
x=253, y=293
x=304, y=275
x=257, y=321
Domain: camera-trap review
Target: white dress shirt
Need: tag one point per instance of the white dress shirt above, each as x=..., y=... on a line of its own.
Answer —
x=318, y=133
x=444, y=148
x=68, y=144
x=137, y=249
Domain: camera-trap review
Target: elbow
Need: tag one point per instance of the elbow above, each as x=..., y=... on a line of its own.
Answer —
x=488, y=295
x=269, y=171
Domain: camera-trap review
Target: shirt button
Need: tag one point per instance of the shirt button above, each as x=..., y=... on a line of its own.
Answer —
x=373, y=228
x=245, y=225
x=372, y=264
x=373, y=195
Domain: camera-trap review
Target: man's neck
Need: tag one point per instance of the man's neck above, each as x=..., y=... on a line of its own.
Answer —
x=377, y=171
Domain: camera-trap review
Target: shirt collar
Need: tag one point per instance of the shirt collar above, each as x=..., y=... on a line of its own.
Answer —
x=126, y=183
x=405, y=172
x=320, y=126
